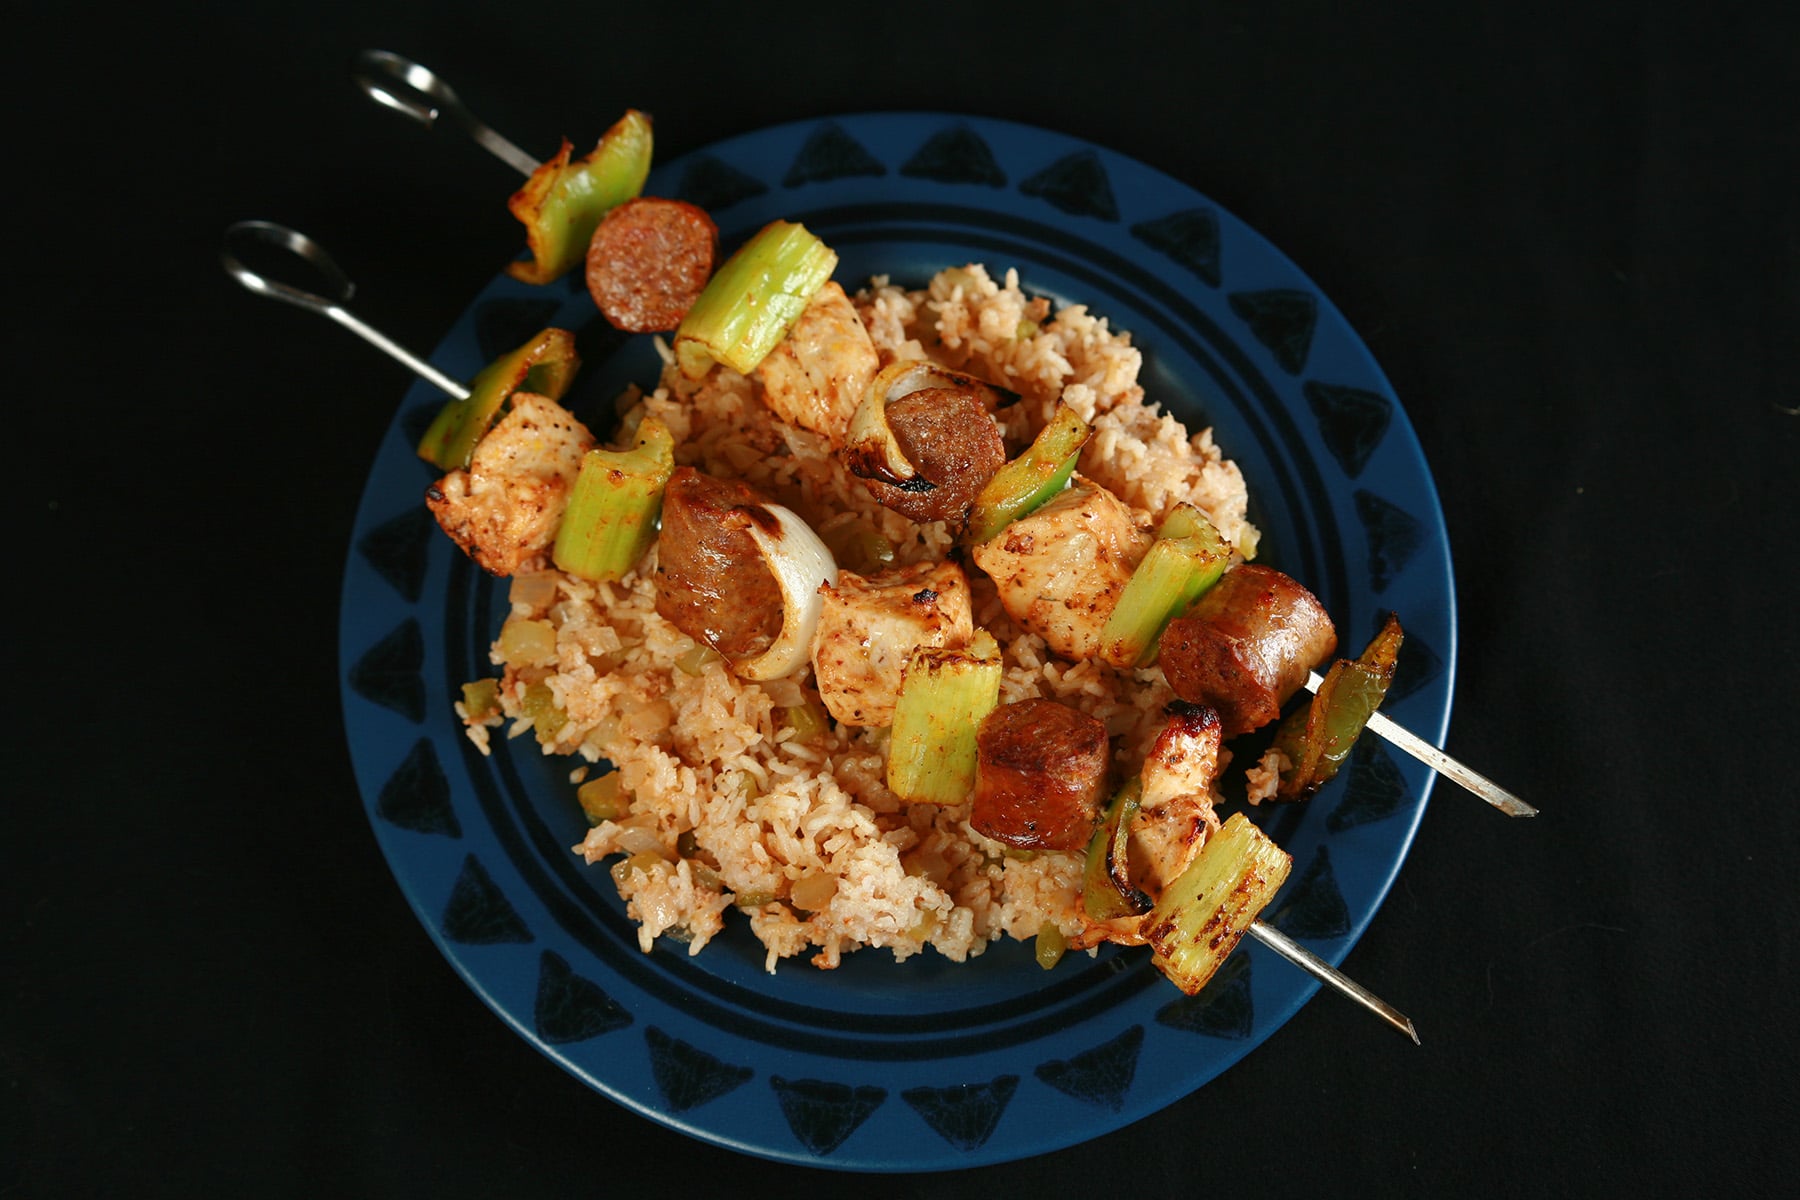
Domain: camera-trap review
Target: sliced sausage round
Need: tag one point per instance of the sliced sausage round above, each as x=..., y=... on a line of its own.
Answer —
x=1247, y=646
x=648, y=262
x=1040, y=775
x=711, y=580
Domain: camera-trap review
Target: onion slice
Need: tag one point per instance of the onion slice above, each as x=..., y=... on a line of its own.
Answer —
x=800, y=563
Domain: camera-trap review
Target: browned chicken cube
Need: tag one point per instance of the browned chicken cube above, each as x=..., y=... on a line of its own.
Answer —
x=505, y=508
x=817, y=376
x=871, y=625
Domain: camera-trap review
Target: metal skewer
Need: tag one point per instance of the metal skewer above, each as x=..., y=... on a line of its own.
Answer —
x=1440, y=762
x=244, y=234
x=1325, y=973
x=424, y=97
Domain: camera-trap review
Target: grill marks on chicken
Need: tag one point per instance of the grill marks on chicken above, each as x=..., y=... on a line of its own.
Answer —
x=711, y=580
x=504, y=509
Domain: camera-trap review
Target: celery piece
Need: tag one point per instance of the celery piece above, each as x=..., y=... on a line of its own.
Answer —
x=603, y=799
x=808, y=720
x=539, y=706
x=562, y=203
x=613, y=510
x=547, y=363
x=1317, y=739
x=753, y=300
x=1187, y=557
x=1031, y=479
x=481, y=699
x=1050, y=946
x=1202, y=915
x=944, y=694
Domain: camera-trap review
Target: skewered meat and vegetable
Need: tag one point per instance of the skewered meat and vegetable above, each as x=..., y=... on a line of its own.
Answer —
x=871, y=625
x=648, y=262
x=923, y=440
x=505, y=509
x=1061, y=569
x=1041, y=775
x=563, y=200
x=1247, y=645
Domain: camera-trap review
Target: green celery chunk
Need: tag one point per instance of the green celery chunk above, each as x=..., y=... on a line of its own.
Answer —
x=613, y=510
x=481, y=699
x=944, y=694
x=562, y=203
x=1030, y=480
x=1187, y=557
x=752, y=301
x=1317, y=739
x=544, y=365
x=1202, y=915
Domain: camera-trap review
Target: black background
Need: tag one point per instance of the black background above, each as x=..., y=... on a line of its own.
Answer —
x=1569, y=235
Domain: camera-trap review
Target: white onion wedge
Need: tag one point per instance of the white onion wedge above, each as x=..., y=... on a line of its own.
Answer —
x=801, y=563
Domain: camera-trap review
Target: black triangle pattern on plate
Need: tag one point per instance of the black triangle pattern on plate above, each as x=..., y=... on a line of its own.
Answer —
x=397, y=547
x=1221, y=1009
x=1394, y=537
x=830, y=153
x=1190, y=237
x=1351, y=420
x=1101, y=1076
x=1315, y=909
x=714, y=184
x=955, y=155
x=964, y=1116
x=1076, y=183
x=1377, y=789
x=388, y=672
x=478, y=914
x=505, y=323
x=417, y=796
x=570, y=1008
x=1282, y=319
x=687, y=1075
x=823, y=1114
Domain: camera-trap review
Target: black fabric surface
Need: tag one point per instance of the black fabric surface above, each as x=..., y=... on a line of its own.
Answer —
x=1570, y=236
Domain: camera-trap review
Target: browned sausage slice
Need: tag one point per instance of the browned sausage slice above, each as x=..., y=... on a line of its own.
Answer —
x=1040, y=776
x=1247, y=646
x=953, y=444
x=711, y=580
x=648, y=262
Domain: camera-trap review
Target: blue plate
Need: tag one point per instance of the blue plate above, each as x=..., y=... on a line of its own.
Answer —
x=925, y=1064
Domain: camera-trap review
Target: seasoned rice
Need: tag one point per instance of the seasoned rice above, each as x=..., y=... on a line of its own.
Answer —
x=733, y=805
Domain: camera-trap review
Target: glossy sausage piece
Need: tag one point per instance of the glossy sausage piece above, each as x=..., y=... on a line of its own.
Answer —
x=711, y=580
x=949, y=438
x=648, y=262
x=1040, y=777
x=1247, y=646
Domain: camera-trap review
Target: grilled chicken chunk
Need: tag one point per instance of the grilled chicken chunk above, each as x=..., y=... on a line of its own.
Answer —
x=1247, y=645
x=1175, y=813
x=816, y=377
x=505, y=508
x=871, y=624
x=1060, y=570
x=711, y=580
x=1040, y=775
